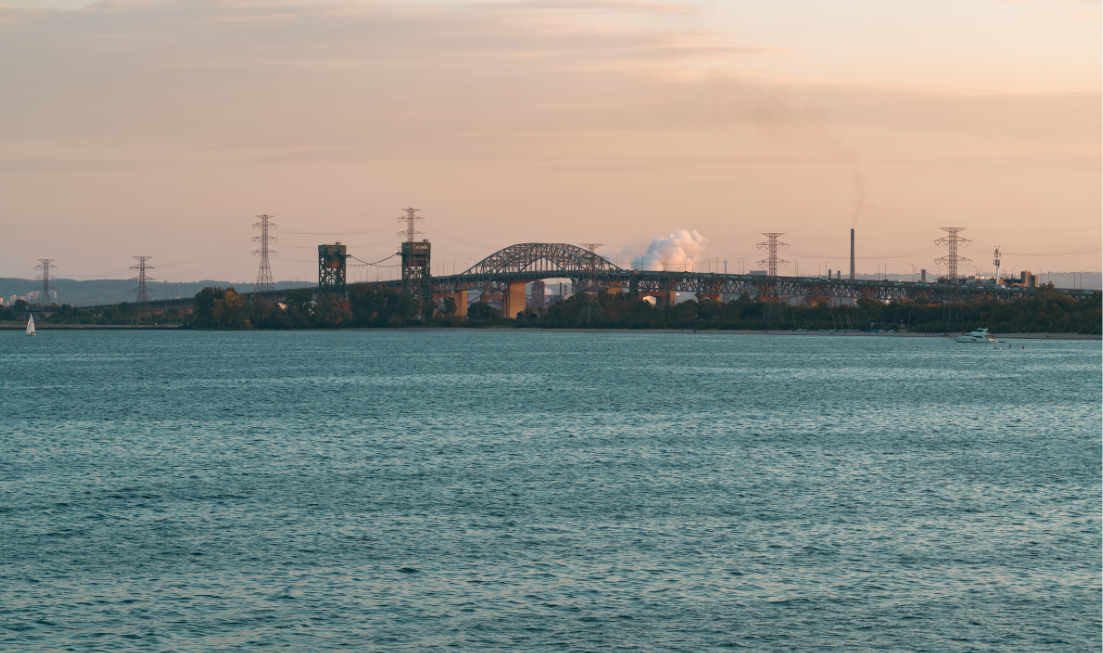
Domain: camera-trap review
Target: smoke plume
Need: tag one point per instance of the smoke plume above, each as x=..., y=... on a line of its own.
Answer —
x=681, y=250
x=859, y=193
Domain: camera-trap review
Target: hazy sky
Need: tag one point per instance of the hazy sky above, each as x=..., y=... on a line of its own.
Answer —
x=161, y=128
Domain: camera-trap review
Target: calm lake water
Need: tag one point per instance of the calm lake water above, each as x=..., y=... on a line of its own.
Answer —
x=527, y=491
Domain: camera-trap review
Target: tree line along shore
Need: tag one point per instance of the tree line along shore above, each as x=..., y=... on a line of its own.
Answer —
x=1047, y=311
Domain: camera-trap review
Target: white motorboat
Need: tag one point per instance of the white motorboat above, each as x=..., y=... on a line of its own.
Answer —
x=980, y=335
x=30, y=325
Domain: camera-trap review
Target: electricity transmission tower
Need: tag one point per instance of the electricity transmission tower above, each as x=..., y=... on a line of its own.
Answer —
x=591, y=310
x=953, y=241
x=264, y=274
x=417, y=270
x=772, y=244
x=142, y=293
x=44, y=265
x=411, y=218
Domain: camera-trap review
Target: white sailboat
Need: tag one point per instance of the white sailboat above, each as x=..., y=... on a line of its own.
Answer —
x=30, y=325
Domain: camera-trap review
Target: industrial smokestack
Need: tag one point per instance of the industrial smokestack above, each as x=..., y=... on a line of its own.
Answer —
x=852, y=255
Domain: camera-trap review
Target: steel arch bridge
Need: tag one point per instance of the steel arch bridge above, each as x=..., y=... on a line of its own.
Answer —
x=540, y=257
x=528, y=262
x=504, y=274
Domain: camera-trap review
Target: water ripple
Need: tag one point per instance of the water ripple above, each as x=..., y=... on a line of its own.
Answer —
x=481, y=490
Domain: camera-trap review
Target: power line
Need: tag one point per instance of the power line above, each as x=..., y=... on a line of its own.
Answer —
x=331, y=217
x=1045, y=231
x=918, y=252
x=334, y=233
x=375, y=263
x=1072, y=252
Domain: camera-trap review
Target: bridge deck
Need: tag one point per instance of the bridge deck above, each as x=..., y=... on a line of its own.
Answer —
x=690, y=282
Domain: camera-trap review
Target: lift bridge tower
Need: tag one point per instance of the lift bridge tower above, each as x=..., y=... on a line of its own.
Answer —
x=416, y=273
x=331, y=271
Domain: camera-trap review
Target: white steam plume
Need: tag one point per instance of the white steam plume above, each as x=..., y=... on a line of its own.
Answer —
x=679, y=251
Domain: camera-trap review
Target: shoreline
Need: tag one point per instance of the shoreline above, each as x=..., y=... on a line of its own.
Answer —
x=848, y=334
x=717, y=332
x=90, y=327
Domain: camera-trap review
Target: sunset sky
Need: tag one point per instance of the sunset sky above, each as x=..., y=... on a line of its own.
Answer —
x=161, y=128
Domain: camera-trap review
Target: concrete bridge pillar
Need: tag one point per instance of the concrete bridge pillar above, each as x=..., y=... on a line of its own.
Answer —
x=513, y=300
x=461, y=303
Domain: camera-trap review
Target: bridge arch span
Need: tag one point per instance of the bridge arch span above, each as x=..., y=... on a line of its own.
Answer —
x=541, y=258
x=502, y=275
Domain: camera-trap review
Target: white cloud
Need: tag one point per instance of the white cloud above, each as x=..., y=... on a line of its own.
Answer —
x=681, y=250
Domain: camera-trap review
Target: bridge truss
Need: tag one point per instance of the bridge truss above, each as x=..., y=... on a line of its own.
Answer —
x=529, y=262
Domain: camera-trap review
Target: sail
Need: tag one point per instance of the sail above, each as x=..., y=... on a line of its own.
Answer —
x=30, y=325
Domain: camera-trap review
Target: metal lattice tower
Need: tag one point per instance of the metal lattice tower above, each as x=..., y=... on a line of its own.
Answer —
x=417, y=271
x=142, y=293
x=953, y=241
x=772, y=244
x=44, y=265
x=417, y=275
x=332, y=269
x=264, y=274
x=996, y=259
x=411, y=218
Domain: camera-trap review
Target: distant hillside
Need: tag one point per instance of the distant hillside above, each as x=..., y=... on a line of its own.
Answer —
x=106, y=291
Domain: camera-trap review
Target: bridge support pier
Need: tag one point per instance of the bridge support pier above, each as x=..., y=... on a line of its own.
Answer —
x=513, y=300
